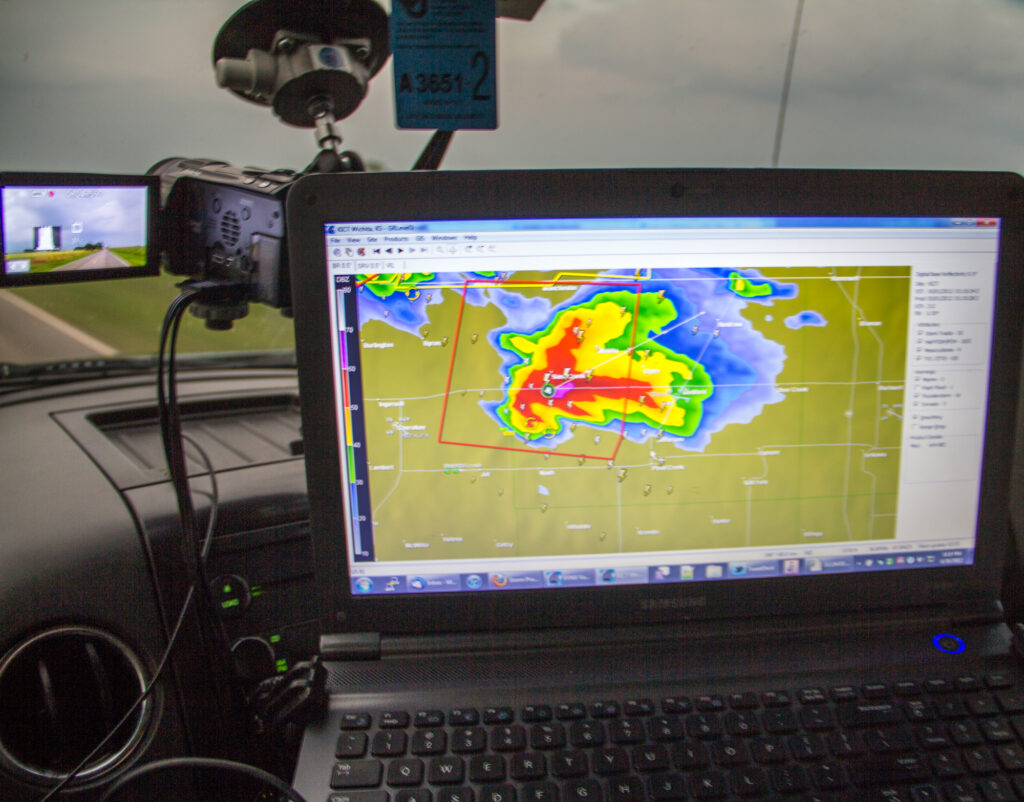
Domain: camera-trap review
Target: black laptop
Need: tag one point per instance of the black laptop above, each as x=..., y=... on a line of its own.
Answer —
x=661, y=484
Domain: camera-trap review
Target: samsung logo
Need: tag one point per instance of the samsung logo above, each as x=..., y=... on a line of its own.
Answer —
x=674, y=603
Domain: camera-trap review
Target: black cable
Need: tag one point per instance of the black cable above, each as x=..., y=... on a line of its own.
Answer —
x=213, y=639
x=203, y=763
x=169, y=329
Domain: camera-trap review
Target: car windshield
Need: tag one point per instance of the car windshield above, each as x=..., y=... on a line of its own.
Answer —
x=115, y=86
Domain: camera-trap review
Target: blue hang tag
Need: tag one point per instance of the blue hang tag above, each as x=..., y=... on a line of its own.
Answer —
x=444, y=64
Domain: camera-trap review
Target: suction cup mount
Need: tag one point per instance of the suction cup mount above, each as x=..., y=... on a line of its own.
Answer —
x=309, y=60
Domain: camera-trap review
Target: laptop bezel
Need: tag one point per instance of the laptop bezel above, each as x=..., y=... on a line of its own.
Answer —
x=319, y=199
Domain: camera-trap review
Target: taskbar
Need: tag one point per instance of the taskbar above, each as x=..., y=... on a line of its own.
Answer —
x=652, y=574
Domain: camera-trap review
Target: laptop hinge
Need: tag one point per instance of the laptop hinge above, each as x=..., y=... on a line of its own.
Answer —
x=350, y=646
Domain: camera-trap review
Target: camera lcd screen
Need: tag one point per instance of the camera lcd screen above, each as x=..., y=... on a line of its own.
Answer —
x=61, y=227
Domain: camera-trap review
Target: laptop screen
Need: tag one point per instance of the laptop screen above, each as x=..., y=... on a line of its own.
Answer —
x=567, y=402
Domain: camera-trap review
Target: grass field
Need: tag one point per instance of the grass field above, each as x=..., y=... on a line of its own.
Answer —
x=135, y=256
x=127, y=315
x=45, y=261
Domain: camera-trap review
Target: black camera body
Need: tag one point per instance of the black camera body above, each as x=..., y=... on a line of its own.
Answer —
x=225, y=225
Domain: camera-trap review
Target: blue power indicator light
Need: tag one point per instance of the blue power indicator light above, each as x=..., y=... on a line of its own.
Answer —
x=950, y=644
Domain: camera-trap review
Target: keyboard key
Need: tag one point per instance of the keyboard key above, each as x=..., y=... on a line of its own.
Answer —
x=884, y=770
x=743, y=724
x=690, y=756
x=665, y=787
x=704, y=726
x=499, y=715
x=748, y=782
x=498, y=793
x=469, y=740
x=778, y=722
x=586, y=733
x=583, y=791
x=356, y=774
x=532, y=713
x=394, y=719
x=775, y=698
x=413, y=795
x=508, y=739
x=611, y=760
x=768, y=750
x=463, y=717
x=743, y=701
x=456, y=795
x=710, y=703
x=540, y=792
x=406, y=771
x=626, y=789
x=446, y=770
x=997, y=789
x=429, y=742
x=664, y=729
x=999, y=680
x=960, y=791
x=866, y=714
x=351, y=744
x=638, y=707
x=528, y=766
x=676, y=705
x=569, y=763
x=389, y=743
x=651, y=758
x=604, y=709
x=359, y=796
x=547, y=736
x=709, y=785
x=355, y=721
x=626, y=731
x=570, y=711
x=790, y=779
x=429, y=718
x=486, y=769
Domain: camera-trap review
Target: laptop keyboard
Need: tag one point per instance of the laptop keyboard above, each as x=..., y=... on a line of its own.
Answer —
x=948, y=740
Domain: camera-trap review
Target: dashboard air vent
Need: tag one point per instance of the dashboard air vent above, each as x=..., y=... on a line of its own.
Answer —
x=61, y=692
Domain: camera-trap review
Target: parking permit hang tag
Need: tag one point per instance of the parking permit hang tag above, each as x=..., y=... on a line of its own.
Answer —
x=444, y=64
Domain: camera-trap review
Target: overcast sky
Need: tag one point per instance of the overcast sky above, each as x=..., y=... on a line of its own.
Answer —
x=114, y=216
x=117, y=85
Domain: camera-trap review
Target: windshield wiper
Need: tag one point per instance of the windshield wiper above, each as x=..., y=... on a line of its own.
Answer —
x=16, y=377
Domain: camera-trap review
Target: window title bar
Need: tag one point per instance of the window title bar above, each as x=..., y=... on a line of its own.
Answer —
x=656, y=223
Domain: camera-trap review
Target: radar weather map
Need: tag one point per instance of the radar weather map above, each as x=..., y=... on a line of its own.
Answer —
x=539, y=414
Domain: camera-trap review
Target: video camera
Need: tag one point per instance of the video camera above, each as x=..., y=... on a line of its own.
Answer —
x=221, y=226
x=225, y=225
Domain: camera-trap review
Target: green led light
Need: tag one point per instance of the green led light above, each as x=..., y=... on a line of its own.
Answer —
x=281, y=665
x=275, y=638
x=227, y=589
x=256, y=593
x=230, y=603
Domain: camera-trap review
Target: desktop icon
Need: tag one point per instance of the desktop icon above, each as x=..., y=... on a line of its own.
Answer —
x=553, y=577
x=791, y=566
x=499, y=580
x=814, y=564
x=686, y=572
x=737, y=569
x=713, y=571
x=364, y=584
x=474, y=582
x=417, y=583
x=607, y=575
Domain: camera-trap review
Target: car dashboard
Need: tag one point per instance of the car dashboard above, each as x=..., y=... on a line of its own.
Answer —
x=92, y=578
